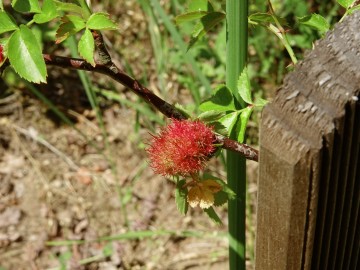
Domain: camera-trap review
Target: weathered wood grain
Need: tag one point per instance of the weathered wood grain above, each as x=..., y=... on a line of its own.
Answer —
x=308, y=187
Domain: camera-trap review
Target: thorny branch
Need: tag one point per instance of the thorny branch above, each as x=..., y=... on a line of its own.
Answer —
x=107, y=67
x=119, y=76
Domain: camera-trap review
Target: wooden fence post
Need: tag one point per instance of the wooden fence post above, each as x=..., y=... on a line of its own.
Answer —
x=309, y=178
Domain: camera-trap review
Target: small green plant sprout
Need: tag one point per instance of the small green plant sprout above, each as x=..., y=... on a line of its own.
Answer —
x=220, y=110
x=276, y=25
x=349, y=5
x=205, y=15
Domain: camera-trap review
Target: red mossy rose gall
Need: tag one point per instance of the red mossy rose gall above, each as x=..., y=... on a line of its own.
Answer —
x=181, y=148
x=1, y=54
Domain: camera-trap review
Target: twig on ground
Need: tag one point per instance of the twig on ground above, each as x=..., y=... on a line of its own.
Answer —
x=32, y=133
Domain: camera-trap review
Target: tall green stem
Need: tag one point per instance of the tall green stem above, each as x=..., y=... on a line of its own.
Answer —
x=236, y=56
x=284, y=40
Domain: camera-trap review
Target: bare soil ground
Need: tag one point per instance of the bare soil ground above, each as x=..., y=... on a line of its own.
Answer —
x=55, y=186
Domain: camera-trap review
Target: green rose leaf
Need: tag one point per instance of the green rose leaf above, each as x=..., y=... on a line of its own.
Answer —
x=100, y=21
x=259, y=102
x=25, y=55
x=242, y=123
x=210, y=116
x=243, y=86
x=220, y=128
x=212, y=215
x=351, y=10
x=225, y=194
x=68, y=7
x=220, y=198
x=265, y=18
x=7, y=23
x=346, y=3
x=316, y=22
x=4, y=41
x=31, y=6
x=190, y=16
x=205, y=24
x=48, y=12
x=200, y=5
x=222, y=100
x=181, y=197
x=71, y=24
x=86, y=47
x=229, y=121
x=183, y=110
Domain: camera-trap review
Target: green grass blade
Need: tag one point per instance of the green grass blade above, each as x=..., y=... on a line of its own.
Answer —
x=134, y=235
x=183, y=47
x=91, y=95
x=49, y=104
x=156, y=42
x=89, y=90
x=85, y=81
